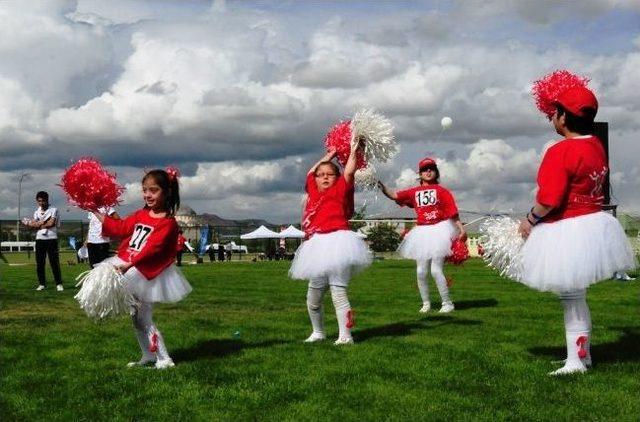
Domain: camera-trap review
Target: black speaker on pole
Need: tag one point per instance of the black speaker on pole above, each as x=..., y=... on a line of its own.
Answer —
x=601, y=130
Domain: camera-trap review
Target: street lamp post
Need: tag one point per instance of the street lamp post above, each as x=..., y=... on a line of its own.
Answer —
x=19, y=203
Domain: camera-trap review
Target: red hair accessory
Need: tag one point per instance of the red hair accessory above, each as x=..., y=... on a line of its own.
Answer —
x=459, y=252
x=338, y=139
x=548, y=91
x=89, y=186
x=173, y=173
x=426, y=162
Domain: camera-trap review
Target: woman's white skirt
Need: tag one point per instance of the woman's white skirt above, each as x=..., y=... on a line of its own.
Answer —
x=169, y=286
x=330, y=253
x=428, y=242
x=573, y=253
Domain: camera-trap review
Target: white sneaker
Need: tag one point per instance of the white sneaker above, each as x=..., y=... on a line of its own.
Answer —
x=426, y=307
x=570, y=368
x=59, y=287
x=40, y=287
x=446, y=308
x=144, y=361
x=165, y=363
x=315, y=336
x=343, y=341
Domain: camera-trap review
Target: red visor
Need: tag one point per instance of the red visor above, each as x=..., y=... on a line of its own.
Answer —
x=426, y=162
x=576, y=99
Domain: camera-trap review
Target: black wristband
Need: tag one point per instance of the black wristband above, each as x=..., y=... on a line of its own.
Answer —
x=534, y=215
x=533, y=223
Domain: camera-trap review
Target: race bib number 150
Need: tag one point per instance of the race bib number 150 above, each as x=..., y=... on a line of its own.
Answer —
x=426, y=197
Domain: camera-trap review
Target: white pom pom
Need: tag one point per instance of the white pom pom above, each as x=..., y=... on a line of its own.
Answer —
x=377, y=130
x=446, y=122
x=366, y=178
x=103, y=293
x=502, y=243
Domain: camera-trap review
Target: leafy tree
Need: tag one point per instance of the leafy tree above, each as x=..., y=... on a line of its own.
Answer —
x=383, y=237
x=358, y=215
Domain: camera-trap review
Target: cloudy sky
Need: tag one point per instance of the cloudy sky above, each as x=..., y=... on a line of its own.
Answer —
x=239, y=95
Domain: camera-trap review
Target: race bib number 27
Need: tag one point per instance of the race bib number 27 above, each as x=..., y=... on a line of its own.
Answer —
x=426, y=197
x=140, y=235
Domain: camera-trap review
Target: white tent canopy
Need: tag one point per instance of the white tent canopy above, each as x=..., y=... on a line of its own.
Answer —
x=260, y=233
x=292, y=232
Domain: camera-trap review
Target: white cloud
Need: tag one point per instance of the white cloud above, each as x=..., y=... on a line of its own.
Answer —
x=231, y=92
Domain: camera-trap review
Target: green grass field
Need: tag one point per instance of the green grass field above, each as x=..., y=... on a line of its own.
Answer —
x=237, y=344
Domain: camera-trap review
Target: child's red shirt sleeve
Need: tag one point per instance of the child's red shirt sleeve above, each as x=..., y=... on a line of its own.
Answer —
x=553, y=179
x=406, y=198
x=117, y=228
x=449, y=207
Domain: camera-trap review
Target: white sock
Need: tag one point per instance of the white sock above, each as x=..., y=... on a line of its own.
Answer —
x=437, y=273
x=577, y=323
x=421, y=275
x=162, y=353
x=315, y=308
x=142, y=321
x=344, y=313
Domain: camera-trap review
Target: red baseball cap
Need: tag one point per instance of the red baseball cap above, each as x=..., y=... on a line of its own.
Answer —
x=426, y=162
x=576, y=99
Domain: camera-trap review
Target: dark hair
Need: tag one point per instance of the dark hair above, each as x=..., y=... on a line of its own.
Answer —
x=42, y=195
x=431, y=167
x=335, y=167
x=169, y=187
x=582, y=125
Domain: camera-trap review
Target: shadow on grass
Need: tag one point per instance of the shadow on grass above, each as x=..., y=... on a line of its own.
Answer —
x=400, y=329
x=461, y=305
x=625, y=349
x=214, y=349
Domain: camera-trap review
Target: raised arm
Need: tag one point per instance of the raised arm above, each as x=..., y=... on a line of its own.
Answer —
x=389, y=193
x=327, y=157
x=350, y=167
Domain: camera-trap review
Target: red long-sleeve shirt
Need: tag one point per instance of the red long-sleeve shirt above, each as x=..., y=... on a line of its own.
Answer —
x=148, y=243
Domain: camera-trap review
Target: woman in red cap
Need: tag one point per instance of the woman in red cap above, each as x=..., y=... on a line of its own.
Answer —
x=570, y=242
x=429, y=243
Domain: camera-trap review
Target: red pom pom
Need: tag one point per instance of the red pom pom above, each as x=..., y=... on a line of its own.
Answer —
x=89, y=186
x=339, y=140
x=546, y=90
x=459, y=252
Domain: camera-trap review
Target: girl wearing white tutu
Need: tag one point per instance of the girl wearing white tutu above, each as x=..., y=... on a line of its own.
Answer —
x=570, y=242
x=438, y=224
x=332, y=254
x=146, y=259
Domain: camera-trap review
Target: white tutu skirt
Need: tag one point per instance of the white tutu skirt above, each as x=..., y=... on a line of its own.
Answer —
x=428, y=242
x=573, y=253
x=330, y=253
x=169, y=286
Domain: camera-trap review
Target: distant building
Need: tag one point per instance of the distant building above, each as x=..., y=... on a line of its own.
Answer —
x=189, y=222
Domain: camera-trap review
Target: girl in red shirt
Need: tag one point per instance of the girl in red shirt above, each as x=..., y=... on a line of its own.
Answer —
x=438, y=224
x=570, y=242
x=146, y=258
x=332, y=253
